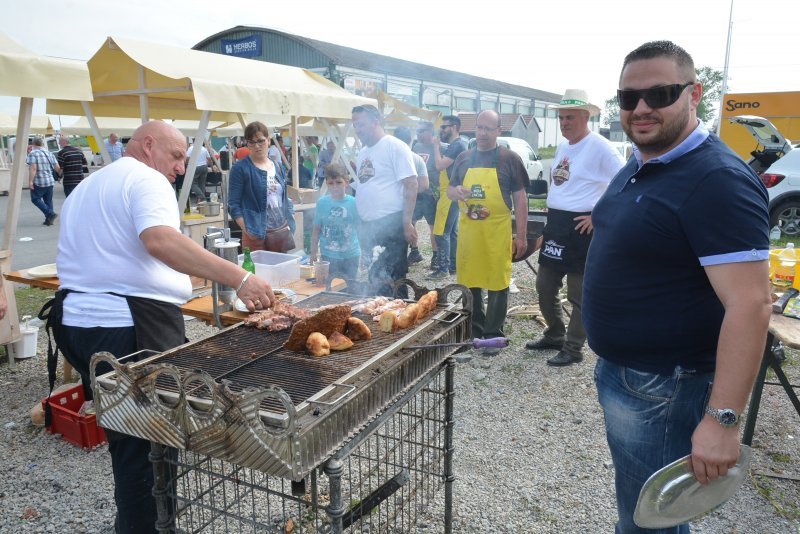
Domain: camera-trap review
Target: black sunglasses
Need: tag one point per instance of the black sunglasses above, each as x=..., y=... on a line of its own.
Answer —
x=655, y=97
x=445, y=126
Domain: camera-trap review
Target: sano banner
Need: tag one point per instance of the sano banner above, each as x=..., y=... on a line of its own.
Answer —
x=244, y=47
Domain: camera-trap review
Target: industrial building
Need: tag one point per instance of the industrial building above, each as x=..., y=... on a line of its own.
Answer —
x=365, y=73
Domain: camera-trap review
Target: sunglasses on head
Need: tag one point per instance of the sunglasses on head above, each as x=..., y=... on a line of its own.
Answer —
x=655, y=97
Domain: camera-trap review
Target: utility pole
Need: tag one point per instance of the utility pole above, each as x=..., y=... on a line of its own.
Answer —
x=725, y=70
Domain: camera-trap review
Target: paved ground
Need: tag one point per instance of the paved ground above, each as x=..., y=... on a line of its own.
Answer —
x=34, y=244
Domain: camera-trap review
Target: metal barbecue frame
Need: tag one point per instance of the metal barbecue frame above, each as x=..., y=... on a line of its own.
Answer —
x=381, y=480
x=236, y=440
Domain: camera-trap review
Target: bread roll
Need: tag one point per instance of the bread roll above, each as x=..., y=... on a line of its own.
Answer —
x=428, y=303
x=326, y=321
x=408, y=317
x=339, y=341
x=356, y=329
x=317, y=345
x=387, y=322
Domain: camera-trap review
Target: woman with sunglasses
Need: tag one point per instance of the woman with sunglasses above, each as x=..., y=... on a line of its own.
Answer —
x=258, y=199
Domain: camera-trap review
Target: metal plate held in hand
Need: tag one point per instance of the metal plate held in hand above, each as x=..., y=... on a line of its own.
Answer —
x=350, y=389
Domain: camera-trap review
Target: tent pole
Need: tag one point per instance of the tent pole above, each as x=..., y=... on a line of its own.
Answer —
x=144, y=106
x=96, y=132
x=3, y=163
x=9, y=326
x=189, y=176
x=295, y=153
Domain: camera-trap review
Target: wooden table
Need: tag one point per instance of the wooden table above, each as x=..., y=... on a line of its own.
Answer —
x=201, y=307
x=786, y=330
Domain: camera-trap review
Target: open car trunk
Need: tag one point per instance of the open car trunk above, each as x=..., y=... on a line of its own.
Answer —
x=771, y=145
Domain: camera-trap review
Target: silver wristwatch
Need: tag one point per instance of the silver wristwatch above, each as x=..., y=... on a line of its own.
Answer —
x=724, y=416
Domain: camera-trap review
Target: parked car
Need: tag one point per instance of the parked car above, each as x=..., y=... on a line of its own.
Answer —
x=777, y=163
x=533, y=163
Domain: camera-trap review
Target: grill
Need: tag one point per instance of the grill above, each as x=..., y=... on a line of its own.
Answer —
x=238, y=397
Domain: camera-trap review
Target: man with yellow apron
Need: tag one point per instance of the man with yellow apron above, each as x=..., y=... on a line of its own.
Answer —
x=483, y=182
x=445, y=226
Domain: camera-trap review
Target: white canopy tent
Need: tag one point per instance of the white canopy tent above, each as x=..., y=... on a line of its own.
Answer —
x=40, y=125
x=124, y=127
x=133, y=78
x=28, y=76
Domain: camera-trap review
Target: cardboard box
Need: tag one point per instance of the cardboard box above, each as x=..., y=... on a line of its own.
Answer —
x=301, y=195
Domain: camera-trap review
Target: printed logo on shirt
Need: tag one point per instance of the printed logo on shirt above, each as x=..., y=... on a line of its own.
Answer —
x=553, y=250
x=560, y=172
x=366, y=172
x=424, y=156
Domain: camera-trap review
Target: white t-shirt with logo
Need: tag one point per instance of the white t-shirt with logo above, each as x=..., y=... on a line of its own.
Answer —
x=99, y=249
x=382, y=168
x=581, y=173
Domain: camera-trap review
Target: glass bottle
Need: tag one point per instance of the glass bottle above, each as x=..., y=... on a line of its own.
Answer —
x=247, y=263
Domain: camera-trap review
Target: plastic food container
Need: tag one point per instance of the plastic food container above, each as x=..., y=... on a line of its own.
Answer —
x=276, y=268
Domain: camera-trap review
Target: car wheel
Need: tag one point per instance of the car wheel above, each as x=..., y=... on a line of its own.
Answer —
x=787, y=215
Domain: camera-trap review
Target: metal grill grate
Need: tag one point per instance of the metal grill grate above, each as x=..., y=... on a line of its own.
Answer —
x=248, y=357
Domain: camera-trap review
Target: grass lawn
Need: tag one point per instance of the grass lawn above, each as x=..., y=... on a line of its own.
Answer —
x=30, y=300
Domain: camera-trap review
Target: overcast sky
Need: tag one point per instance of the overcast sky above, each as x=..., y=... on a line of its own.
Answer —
x=544, y=45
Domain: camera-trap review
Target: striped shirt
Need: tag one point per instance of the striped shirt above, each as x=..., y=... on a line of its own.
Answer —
x=71, y=160
x=44, y=162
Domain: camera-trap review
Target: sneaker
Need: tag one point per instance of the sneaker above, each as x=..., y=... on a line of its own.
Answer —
x=435, y=261
x=414, y=256
x=562, y=359
x=49, y=220
x=437, y=275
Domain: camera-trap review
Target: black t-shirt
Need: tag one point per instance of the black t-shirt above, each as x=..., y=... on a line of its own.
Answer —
x=71, y=160
x=426, y=152
x=511, y=171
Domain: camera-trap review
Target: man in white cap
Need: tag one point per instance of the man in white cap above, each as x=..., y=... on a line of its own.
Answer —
x=584, y=164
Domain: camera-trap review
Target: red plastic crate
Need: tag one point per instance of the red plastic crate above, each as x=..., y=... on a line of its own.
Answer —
x=80, y=430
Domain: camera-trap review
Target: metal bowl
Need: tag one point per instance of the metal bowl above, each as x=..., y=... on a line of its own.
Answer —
x=208, y=209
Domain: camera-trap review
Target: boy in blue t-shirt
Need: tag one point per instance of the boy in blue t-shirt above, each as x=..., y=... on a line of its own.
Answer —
x=336, y=222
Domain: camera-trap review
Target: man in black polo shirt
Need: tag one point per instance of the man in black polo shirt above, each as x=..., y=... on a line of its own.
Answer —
x=675, y=291
x=72, y=162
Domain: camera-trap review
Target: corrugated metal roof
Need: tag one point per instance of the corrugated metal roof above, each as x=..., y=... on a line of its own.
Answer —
x=360, y=59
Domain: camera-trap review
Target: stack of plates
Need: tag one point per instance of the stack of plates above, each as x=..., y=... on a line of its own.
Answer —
x=43, y=271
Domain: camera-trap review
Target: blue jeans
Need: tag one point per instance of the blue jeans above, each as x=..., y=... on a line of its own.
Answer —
x=649, y=420
x=448, y=241
x=42, y=198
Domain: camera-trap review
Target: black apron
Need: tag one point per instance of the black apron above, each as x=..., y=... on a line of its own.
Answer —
x=158, y=326
x=564, y=249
